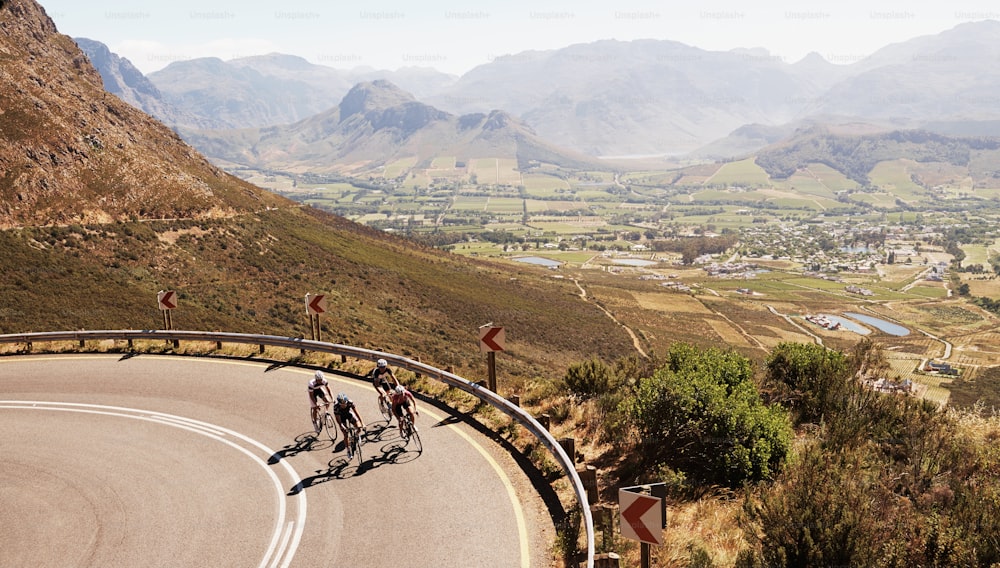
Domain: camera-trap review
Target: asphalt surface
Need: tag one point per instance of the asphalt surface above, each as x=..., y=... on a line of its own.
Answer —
x=177, y=461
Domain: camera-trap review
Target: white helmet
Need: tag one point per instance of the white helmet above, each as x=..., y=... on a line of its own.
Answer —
x=381, y=363
x=319, y=376
x=399, y=389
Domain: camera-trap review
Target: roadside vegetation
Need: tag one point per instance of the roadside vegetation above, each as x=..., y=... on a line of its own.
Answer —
x=796, y=461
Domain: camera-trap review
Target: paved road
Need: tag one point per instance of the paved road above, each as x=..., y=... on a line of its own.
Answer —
x=171, y=461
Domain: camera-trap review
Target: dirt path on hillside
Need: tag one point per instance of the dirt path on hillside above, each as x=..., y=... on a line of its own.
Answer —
x=635, y=338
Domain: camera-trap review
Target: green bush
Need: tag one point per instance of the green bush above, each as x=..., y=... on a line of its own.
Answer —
x=816, y=380
x=702, y=413
x=590, y=378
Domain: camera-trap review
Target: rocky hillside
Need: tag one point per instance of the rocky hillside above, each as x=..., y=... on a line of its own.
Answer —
x=72, y=152
x=126, y=82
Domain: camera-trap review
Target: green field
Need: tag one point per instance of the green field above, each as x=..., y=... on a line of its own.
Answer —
x=399, y=167
x=895, y=177
x=470, y=203
x=542, y=185
x=744, y=172
x=443, y=163
x=980, y=254
x=505, y=205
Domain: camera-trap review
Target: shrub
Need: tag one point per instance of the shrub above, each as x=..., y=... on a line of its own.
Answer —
x=816, y=380
x=590, y=378
x=702, y=412
x=821, y=512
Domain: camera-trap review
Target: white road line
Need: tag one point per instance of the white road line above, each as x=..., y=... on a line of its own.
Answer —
x=284, y=544
x=279, y=545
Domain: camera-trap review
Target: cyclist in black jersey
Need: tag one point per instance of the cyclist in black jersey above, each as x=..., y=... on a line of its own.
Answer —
x=383, y=379
x=343, y=410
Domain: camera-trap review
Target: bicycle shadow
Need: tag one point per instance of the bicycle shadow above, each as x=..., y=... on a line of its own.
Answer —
x=303, y=443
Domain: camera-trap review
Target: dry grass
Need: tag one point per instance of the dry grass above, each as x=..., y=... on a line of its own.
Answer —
x=710, y=523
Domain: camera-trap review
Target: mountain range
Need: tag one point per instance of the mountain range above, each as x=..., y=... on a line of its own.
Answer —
x=375, y=125
x=642, y=97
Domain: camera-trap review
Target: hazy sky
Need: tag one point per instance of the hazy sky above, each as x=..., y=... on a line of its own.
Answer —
x=455, y=36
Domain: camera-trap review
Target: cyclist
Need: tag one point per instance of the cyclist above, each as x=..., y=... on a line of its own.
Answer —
x=316, y=387
x=381, y=376
x=344, y=410
x=403, y=399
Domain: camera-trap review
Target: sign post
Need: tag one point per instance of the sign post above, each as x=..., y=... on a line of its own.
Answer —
x=642, y=516
x=315, y=307
x=166, y=301
x=491, y=340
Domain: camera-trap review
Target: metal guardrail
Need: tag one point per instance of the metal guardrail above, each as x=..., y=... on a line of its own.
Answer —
x=450, y=379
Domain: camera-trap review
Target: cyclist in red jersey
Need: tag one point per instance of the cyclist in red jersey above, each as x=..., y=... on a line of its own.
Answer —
x=402, y=399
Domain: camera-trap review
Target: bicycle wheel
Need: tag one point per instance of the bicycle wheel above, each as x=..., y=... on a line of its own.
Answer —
x=415, y=439
x=331, y=426
x=356, y=442
x=385, y=409
x=404, y=428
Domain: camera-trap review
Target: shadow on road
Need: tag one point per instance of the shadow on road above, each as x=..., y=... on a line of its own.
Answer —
x=303, y=443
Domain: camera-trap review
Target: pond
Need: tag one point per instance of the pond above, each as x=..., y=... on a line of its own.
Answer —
x=634, y=262
x=538, y=260
x=847, y=324
x=880, y=324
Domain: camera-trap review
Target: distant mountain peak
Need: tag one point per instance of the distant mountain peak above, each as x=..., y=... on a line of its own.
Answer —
x=372, y=95
x=497, y=120
x=290, y=62
x=120, y=76
x=813, y=59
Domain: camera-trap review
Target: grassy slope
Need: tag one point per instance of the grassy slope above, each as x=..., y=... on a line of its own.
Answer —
x=251, y=272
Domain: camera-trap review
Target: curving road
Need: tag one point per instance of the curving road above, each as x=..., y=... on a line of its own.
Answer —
x=173, y=461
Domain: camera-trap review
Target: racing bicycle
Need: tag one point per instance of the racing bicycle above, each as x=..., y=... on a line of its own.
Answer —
x=385, y=408
x=408, y=431
x=325, y=421
x=354, y=441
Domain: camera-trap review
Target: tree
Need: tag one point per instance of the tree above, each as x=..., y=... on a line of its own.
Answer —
x=814, y=378
x=701, y=412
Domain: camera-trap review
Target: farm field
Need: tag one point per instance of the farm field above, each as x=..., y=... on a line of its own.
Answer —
x=595, y=222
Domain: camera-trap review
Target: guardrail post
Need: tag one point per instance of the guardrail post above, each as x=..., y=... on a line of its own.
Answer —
x=130, y=347
x=515, y=400
x=604, y=515
x=545, y=420
x=569, y=444
x=606, y=560
x=588, y=476
x=261, y=350
x=417, y=373
x=28, y=347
